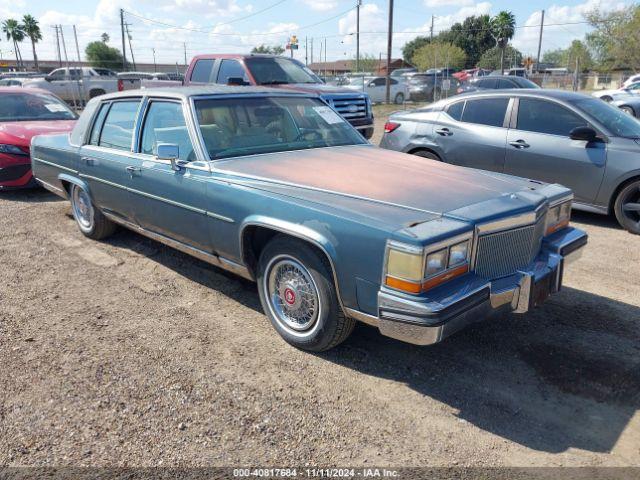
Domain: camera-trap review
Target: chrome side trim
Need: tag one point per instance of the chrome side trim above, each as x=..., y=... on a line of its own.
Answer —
x=160, y=199
x=53, y=189
x=54, y=165
x=362, y=317
x=215, y=260
x=590, y=208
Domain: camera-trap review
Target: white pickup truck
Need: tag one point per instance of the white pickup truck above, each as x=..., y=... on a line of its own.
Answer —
x=77, y=85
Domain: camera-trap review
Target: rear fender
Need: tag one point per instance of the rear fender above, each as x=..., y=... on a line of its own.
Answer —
x=66, y=180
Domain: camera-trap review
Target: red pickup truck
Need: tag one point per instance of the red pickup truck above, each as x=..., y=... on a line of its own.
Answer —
x=280, y=72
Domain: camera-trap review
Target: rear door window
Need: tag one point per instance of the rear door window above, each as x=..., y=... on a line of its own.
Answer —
x=202, y=71
x=117, y=131
x=486, y=111
x=97, y=124
x=231, y=69
x=540, y=116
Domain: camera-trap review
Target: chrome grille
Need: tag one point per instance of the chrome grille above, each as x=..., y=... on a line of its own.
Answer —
x=351, y=108
x=503, y=253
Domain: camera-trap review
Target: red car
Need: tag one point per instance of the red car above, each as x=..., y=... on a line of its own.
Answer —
x=25, y=113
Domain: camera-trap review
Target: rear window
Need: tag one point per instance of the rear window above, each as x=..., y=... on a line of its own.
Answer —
x=202, y=71
x=455, y=110
x=486, y=111
x=117, y=131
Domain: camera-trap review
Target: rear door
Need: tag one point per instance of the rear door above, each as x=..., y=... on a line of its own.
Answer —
x=105, y=162
x=169, y=202
x=539, y=147
x=473, y=133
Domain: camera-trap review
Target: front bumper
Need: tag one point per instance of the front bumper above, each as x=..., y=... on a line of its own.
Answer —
x=16, y=176
x=425, y=320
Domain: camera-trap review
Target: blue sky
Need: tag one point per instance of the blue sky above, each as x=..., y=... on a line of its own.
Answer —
x=219, y=26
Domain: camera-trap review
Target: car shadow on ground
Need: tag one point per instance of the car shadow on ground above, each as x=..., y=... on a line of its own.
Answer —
x=566, y=375
x=595, y=219
x=199, y=271
x=30, y=195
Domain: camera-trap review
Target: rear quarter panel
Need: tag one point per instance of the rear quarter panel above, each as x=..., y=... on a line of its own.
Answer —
x=51, y=156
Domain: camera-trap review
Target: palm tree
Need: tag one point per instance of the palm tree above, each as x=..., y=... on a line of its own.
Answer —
x=32, y=30
x=15, y=33
x=503, y=26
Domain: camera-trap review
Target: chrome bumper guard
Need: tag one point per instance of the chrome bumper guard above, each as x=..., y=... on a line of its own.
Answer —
x=470, y=299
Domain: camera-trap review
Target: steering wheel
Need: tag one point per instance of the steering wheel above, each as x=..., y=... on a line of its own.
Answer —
x=304, y=132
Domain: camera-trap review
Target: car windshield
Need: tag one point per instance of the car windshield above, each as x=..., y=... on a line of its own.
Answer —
x=359, y=81
x=615, y=120
x=279, y=70
x=21, y=107
x=235, y=127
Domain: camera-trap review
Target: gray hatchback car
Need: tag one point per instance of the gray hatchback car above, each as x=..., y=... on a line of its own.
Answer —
x=547, y=135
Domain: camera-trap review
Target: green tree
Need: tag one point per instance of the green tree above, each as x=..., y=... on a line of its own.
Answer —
x=104, y=37
x=577, y=54
x=555, y=57
x=439, y=55
x=101, y=55
x=473, y=35
x=368, y=63
x=410, y=48
x=494, y=58
x=14, y=32
x=503, y=26
x=270, y=49
x=32, y=30
x=615, y=41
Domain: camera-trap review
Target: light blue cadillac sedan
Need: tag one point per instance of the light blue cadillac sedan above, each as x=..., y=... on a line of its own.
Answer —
x=280, y=189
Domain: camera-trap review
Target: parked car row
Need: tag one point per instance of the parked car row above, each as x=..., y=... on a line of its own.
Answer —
x=274, y=185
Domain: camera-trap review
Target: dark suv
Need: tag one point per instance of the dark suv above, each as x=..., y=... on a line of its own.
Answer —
x=281, y=72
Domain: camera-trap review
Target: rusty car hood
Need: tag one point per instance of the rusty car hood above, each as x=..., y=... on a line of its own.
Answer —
x=374, y=175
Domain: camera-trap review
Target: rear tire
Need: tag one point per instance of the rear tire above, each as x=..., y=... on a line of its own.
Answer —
x=628, y=110
x=91, y=222
x=399, y=99
x=607, y=98
x=627, y=207
x=298, y=295
x=427, y=154
x=96, y=93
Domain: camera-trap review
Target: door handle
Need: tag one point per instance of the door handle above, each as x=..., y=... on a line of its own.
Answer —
x=87, y=160
x=133, y=170
x=520, y=144
x=444, y=131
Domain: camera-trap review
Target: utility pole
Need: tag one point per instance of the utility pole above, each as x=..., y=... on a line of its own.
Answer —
x=311, y=49
x=80, y=84
x=540, y=42
x=133, y=60
x=359, y=2
x=124, y=49
x=66, y=59
x=59, y=57
x=431, y=35
x=154, y=60
x=389, y=46
x=306, y=52
x=184, y=45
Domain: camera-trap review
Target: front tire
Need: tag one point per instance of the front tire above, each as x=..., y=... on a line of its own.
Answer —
x=607, y=98
x=627, y=207
x=399, y=99
x=298, y=295
x=427, y=154
x=91, y=222
x=628, y=110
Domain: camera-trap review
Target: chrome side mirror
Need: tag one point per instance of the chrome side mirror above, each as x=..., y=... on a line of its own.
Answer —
x=171, y=152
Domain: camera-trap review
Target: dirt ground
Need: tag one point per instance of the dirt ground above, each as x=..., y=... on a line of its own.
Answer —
x=129, y=353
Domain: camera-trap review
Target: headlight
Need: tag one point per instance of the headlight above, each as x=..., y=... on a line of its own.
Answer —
x=436, y=262
x=558, y=217
x=408, y=269
x=458, y=253
x=12, y=150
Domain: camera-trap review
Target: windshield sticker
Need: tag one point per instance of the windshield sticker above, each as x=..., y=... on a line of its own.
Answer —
x=328, y=115
x=55, y=107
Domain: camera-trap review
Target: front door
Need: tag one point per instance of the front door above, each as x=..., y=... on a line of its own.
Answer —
x=540, y=148
x=170, y=202
x=59, y=81
x=472, y=133
x=105, y=163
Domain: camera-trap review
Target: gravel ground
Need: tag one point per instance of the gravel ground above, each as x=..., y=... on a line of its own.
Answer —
x=129, y=353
